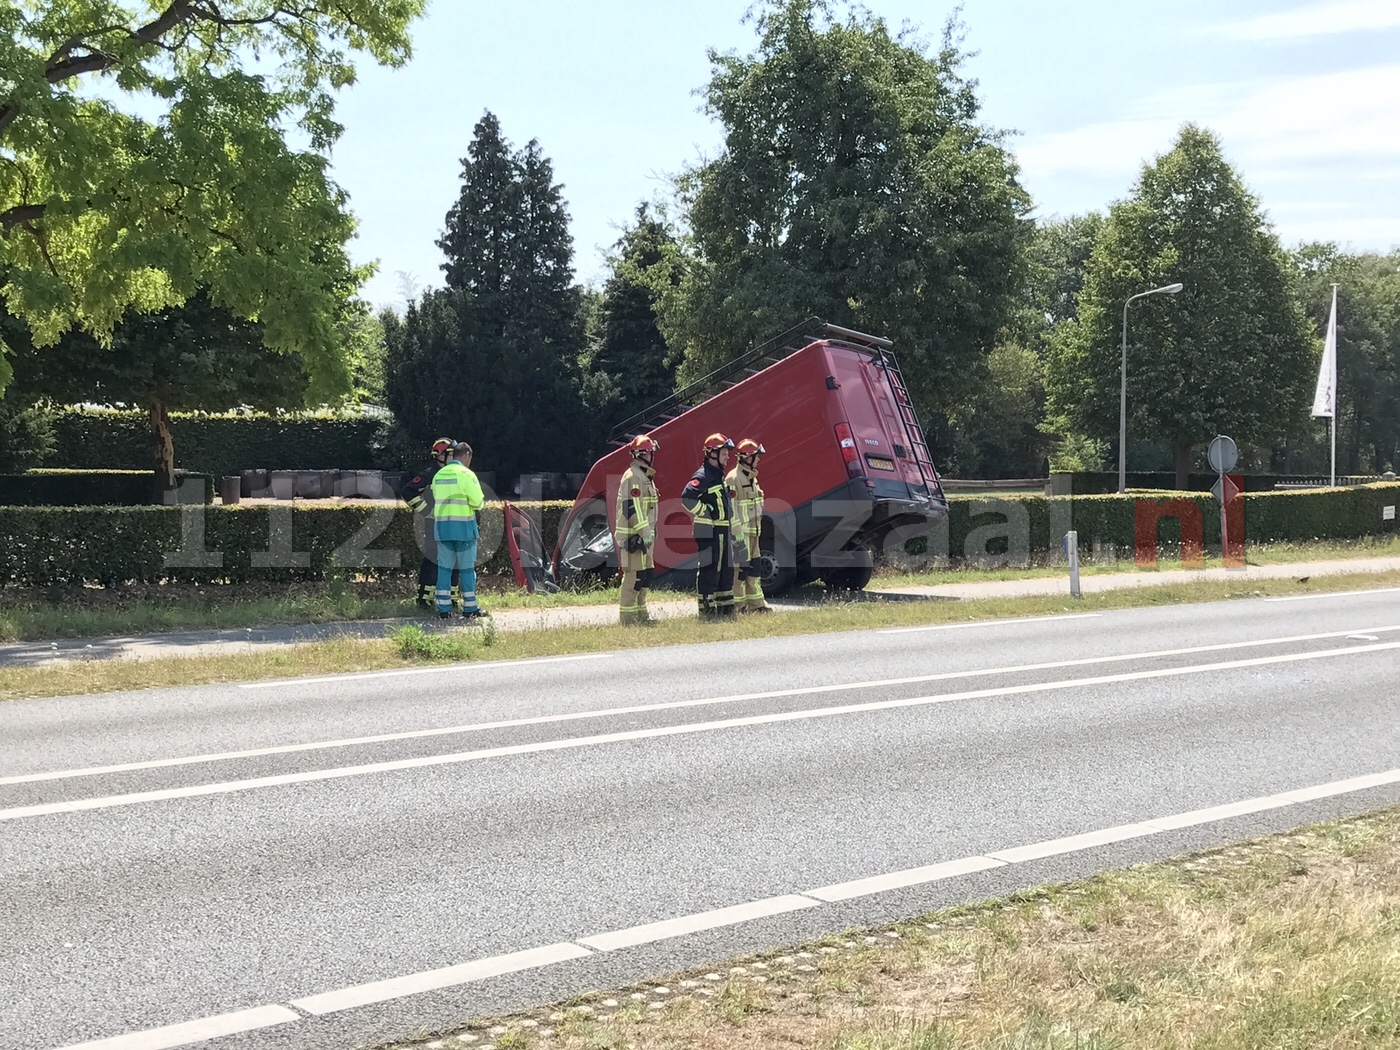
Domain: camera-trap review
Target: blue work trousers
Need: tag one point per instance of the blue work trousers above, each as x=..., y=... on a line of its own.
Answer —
x=459, y=555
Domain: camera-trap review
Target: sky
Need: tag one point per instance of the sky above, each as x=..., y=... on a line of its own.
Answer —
x=1305, y=97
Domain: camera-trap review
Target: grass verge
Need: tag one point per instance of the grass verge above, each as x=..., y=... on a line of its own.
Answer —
x=413, y=646
x=1290, y=942
x=91, y=612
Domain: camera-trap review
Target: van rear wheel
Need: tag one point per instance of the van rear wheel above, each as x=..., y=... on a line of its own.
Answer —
x=852, y=578
x=774, y=578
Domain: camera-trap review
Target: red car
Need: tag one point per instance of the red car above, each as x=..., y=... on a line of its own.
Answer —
x=846, y=471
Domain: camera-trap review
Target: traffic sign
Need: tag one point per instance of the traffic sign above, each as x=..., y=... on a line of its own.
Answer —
x=1223, y=454
x=1226, y=489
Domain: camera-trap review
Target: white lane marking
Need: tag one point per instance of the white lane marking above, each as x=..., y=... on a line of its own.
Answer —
x=570, y=743
x=464, y=973
x=194, y=1031
x=614, y=712
x=987, y=623
x=898, y=880
x=430, y=980
x=355, y=676
x=705, y=920
x=1331, y=594
x=1072, y=843
x=1362, y=638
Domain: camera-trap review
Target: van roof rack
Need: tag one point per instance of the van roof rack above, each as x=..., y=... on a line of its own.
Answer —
x=812, y=330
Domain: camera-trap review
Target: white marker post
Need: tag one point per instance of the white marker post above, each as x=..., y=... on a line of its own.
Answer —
x=1072, y=546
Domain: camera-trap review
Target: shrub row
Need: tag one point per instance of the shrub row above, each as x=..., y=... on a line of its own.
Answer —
x=90, y=488
x=216, y=445
x=110, y=545
x=48, y=546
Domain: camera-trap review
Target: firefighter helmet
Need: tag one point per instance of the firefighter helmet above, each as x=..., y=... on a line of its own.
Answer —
x=643, y=444
x=715, y=442
x=750, y=447
x=443, y=445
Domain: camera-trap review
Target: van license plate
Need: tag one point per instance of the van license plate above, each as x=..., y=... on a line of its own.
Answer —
x=880, y=462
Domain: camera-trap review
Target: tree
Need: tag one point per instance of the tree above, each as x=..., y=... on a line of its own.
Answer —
x=493, y=359
x=145, y=159
x=197, y=356
x=626, y=347
x=1368, y=349
x=1231, y=354
x=855, y=183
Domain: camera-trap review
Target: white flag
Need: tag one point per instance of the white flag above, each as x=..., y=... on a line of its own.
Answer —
x=1325, y=399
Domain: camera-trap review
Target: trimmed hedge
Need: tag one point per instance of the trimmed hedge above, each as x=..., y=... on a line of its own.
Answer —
x=216, y=445
x=48, y=546
x=88, y=488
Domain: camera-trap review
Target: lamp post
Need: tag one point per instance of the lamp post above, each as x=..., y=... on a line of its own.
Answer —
x=1167, y=289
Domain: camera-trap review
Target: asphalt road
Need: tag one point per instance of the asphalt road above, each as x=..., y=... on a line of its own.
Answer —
x=243, y=853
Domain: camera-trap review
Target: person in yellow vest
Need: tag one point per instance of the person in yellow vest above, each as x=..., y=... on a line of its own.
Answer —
x=747, y=497
x=635, y=531
x=457, y=499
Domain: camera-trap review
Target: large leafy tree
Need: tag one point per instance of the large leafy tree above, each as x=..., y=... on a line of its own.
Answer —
x=196, y=356
x=494, y=358
x=1368, y=351
x=1231, y=354
x=857, y=183
x=144, y=156
x=626, y=347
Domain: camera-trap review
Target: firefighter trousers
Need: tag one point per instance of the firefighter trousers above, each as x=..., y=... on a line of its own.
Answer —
x=636, y=579
x=748, y=594
x=715, y=579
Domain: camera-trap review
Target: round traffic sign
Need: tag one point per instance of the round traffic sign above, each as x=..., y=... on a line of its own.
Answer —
x=1223, y=454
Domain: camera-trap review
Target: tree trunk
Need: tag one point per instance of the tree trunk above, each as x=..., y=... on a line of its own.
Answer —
x=163, y=450
x=1183, y=463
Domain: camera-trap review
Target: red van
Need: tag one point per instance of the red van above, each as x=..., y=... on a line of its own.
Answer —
x=846, y=470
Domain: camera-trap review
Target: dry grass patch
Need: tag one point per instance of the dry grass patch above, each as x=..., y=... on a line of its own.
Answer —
x=1290, y=942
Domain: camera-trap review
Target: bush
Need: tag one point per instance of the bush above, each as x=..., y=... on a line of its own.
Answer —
x=51, y=546
x=90, y=488
x=26, y=436
x=219, y=445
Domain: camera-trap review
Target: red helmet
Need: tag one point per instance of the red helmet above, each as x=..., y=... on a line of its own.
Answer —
x=715, y=442
x=643, y=443
x=443, y=445
x=750, y=447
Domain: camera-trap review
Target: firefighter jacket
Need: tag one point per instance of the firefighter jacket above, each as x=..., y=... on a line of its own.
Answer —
x=457, y=496
x=707, y=498
x=637, y=500
x=418, y=492
x=748, y=500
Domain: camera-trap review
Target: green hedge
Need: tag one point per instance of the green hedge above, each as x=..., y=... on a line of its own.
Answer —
x=48, y=546
x=1269, y=517
x=215, y=445
x=88, y=488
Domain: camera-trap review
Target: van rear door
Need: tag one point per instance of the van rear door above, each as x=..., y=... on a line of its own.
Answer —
x=868, y=401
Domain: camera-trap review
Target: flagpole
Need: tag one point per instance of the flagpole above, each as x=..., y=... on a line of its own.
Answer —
x=1334, y=388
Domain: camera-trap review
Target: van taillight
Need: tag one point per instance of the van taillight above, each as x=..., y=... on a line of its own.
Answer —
x=849, y=453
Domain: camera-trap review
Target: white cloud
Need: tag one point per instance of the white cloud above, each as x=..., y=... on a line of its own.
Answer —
x=1323, y=19
x=1283, y=123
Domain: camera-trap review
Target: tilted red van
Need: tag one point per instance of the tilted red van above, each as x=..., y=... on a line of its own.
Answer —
x=847, y=469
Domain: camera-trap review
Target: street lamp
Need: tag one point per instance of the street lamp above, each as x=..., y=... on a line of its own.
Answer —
x=1168, y=289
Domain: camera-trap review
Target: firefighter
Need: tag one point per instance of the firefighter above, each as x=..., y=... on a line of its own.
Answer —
x=418, y=494
x=457, y=498
x=748, y=523
x=635, y=534
x=706, y=497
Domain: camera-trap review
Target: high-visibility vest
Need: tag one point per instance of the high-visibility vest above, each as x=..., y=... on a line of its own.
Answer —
x=457, y=494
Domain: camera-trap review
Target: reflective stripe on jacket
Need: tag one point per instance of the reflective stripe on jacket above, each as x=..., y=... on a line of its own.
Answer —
x=707, y=497
x=637, y=500
x=418, y=492
x=748, y=499
x=457, y=497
